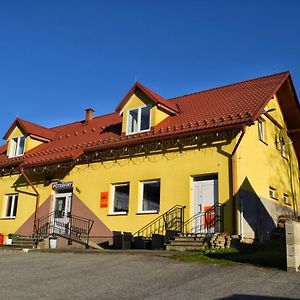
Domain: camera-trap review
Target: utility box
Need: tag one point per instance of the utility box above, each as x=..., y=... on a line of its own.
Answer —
x=292, y=237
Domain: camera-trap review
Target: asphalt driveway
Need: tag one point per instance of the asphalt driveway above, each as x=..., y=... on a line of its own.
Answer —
x=38, y=275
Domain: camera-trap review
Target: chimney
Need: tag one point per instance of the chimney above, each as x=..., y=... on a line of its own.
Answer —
x=89, y=114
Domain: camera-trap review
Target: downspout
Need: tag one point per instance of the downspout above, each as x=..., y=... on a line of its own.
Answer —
x=37, y=196
x=233, y=181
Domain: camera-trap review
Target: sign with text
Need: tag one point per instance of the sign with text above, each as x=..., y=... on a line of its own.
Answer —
x=104, y=200
x=62, y=185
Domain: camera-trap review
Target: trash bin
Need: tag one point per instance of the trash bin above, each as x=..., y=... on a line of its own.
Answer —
x=157, y=241
x=13, y=237
x=127, y=240
x=52, y=242
x=1, y=239
x=8, y=242
x=122, y=241
x=117, y=240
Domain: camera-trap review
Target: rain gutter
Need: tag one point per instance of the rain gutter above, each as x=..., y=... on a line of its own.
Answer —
x=233, y=181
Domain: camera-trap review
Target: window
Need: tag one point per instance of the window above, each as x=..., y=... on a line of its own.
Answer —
x=261, y=130
x=150, y=196
x=272, y=193
x=17, y=146
x=138, y=119
x=121, y=198
x=283, y=148
x=11, y=206
x=286, y=199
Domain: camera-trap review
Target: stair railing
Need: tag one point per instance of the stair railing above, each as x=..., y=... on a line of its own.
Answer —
x=71, y=227
x=210, y=221
x=173, y=219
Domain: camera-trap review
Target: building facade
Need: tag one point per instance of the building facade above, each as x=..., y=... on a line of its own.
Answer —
x=237, y=146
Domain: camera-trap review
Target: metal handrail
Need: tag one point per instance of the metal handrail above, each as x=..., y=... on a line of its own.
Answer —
x=210, y=221
x=173, y=219
x=73, y=227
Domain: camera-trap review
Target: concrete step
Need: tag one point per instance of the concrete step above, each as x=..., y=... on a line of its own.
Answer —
x=194, y=235
x=187, y=243
x=24, y=238
x=25, y=242
x=13, y=247
x=179, y=238
x=171, y=247
x=22, y=244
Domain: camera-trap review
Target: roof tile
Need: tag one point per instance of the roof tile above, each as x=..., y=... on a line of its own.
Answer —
x=220, y=108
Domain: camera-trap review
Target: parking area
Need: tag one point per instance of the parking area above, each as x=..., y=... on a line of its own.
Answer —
x=36, y=275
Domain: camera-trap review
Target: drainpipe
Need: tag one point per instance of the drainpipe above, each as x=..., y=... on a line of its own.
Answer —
x=37, y=196
x=233, y=181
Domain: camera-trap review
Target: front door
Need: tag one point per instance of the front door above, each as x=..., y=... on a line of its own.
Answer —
x=205, y=195
x=61, y=213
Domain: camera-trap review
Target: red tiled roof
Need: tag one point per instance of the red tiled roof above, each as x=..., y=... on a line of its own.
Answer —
x=3, y=149
x=31, y=129
x=157, y=99
x=235, y=103
x=231, y=106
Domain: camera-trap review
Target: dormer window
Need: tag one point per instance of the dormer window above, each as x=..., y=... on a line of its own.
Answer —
x=138, y=119
x=17, y=146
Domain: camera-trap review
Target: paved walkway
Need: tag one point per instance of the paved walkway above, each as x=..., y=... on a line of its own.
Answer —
x=36, y=275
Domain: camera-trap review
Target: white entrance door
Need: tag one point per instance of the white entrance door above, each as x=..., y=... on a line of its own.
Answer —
x=61, y=213
x=205, y=195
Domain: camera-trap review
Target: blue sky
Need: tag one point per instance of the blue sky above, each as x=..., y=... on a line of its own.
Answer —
x=59, y=57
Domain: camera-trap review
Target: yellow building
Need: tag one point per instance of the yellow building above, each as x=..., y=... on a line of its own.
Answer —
x=224, y=159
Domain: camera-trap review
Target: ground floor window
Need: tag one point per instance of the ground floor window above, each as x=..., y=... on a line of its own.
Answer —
x=286, y=199
x=272, y=193
x=11, y=206
x=121, y=198
x=150, y=196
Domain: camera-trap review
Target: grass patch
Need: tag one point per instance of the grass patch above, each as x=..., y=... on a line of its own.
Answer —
x=205, y=257
x=267, y=254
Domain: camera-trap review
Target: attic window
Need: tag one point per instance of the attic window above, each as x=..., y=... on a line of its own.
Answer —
x=17, y=146
x=138, y=119
x=261, y=130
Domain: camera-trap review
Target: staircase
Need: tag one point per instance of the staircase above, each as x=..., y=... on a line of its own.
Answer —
x=187, y=242
x=73, y=228
x=171, y=220
x=165, y=226
x=199, y=230
x=22, y=242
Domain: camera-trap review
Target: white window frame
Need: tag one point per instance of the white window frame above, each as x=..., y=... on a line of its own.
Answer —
x=283, y=148
x=112, y=206
x=142, y=196
x=273, y=193
x=286, y=199
x=139, y=109
x=11, y=216
x=261, y=130
x=15, y=145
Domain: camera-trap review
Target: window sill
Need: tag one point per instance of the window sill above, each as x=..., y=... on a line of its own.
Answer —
x=8, y=218
x=136, y=132
x=286, y=158
x=121, y=213
x=147, y=212
x=273, y=198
